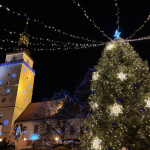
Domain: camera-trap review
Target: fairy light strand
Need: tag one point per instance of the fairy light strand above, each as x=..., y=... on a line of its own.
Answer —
x=40, y=38
x=48, y=26
x=147, y=19
x=117, y=14
x=90, y=20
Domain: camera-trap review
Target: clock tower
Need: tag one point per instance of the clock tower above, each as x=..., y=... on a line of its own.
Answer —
x=16, y=83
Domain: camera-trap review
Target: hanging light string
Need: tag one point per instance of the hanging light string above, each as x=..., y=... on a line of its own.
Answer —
x=90, y=20
x=42, y=39
x=55, y=46
x=138, y=39
x=49, y=27
x=117, y=14
x=147, y=19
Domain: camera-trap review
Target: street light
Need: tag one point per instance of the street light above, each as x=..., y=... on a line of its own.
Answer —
x=57, y=139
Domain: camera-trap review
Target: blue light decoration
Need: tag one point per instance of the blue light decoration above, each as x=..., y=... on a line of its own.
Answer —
x=1, y=81
x=8, y=90
x=13, y=75
x=29, y=86
x=5, y=122
x=117, y=34
x=27, y=99
x=119, y=99
x=23, y=91
x=7, y=68
x=34, y=137
x=1, y=133
x=114, y=124
x=24, y=69
x=18, y=62
x=24, y=132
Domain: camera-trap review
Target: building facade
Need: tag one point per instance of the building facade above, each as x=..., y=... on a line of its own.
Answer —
x=16, y=83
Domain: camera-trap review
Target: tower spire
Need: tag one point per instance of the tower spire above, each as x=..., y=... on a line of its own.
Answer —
x=24, y=38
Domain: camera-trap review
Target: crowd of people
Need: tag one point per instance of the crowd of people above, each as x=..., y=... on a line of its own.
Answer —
x=19, y=144
x=10, y=141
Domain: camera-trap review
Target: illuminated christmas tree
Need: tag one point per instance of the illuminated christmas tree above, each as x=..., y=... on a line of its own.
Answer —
x=120, y=101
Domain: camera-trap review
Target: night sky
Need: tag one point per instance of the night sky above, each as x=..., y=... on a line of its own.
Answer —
x=56, y=70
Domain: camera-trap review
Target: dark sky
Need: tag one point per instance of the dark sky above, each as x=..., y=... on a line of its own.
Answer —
x=56, y=70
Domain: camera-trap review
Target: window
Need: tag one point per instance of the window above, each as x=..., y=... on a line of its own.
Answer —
x=24, y=130
x=3, y=100
x=82, y=130
x=72, y=130
x=1, y=114
x=1, y=81
x=36, y=129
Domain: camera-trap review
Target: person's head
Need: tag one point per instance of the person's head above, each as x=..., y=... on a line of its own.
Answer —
x=124, y=148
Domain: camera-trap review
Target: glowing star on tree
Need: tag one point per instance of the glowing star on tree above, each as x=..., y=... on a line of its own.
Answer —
x=117, y=34
x=122, y=76
x=96, y=143
x=147, y=103
x=116, y=109
x=95, y=76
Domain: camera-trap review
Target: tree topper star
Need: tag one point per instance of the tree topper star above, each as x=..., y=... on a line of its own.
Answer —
x=117, y=34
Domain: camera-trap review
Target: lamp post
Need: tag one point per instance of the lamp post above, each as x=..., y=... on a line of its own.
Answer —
x=57, y=139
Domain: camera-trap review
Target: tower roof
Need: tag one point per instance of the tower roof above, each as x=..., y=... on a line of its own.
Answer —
x=25, y=33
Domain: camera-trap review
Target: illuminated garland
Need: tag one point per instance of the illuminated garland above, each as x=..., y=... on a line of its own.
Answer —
x=38, y=38
x=117, y=14
x=47, y=26
x=90, y=20
x=63, y=46
x=147, y=19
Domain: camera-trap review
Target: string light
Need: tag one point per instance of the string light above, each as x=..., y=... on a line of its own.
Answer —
x=117, y=14
x=49, y=27
x=58, y=46
x=90, y=20
x=147, y=19
x=138, y=39
x=41, y=39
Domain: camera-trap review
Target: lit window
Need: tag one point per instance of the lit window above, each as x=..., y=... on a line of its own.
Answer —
x=27, y=99
x=29, y=86
x=24, y=130
x=1, y=114
x=14, y=75
x=5, y=122
x=8, y=90
x=23, y=91
x=7, y=68
x=1, y=81
x=24, y=70
x=1, y=133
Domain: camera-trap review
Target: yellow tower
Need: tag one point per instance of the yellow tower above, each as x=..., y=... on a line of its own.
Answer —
x=16, y=83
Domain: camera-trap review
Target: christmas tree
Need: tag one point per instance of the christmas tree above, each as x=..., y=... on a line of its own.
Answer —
x=120, y=101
